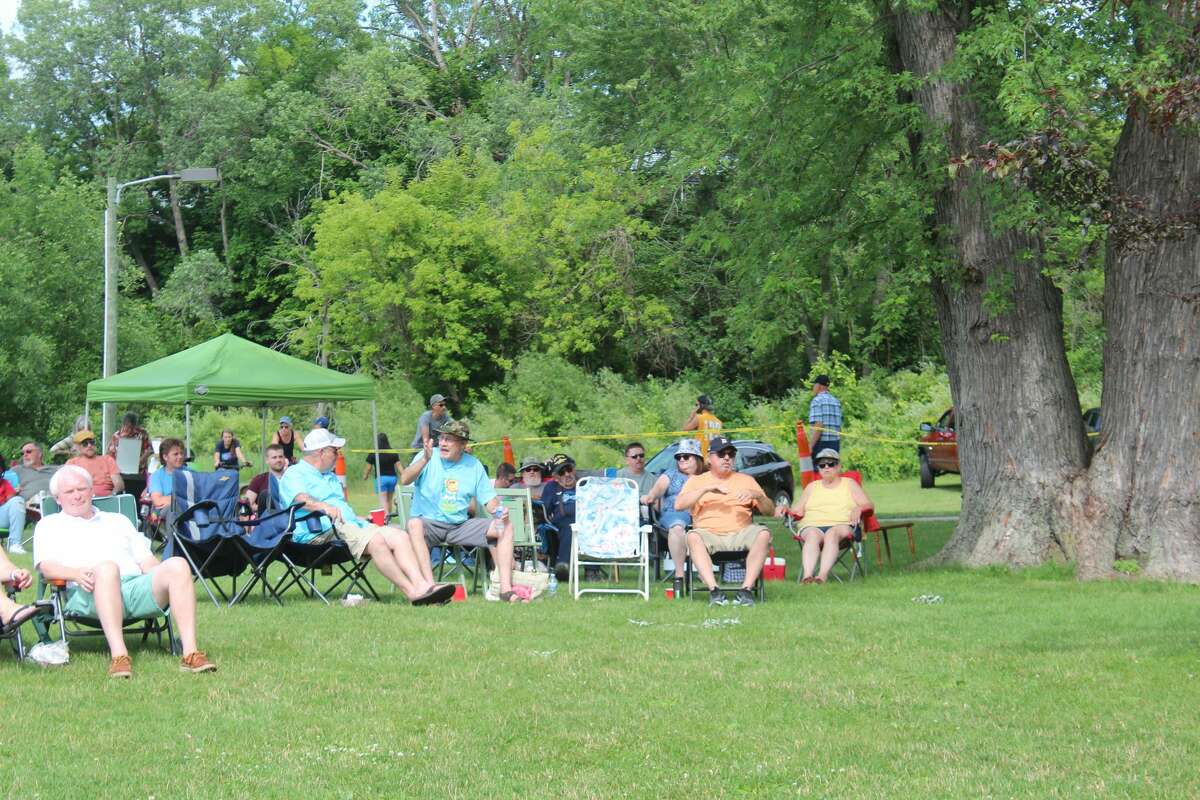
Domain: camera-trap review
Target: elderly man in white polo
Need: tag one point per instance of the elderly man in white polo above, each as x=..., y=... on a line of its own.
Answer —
x=311, y=481
x=110, y=571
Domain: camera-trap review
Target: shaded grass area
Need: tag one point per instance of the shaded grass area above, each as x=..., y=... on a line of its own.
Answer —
x=1017, y=684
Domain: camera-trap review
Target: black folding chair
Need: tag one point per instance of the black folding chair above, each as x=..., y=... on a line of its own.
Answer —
x=205, y=530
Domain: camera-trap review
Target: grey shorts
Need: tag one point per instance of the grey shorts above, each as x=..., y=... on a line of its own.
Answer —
x=472, y=533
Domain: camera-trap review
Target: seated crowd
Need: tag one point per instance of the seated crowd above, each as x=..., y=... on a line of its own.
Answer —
x=702, y=505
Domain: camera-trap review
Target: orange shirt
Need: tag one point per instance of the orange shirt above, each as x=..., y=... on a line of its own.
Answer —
x=101, y=468
x=722, y=513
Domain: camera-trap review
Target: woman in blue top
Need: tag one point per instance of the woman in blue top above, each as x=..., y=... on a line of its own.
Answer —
x=162, y=482
x=668, y=486
x=228, y=452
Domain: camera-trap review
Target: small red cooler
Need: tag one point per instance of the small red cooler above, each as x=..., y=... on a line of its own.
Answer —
x=775, y=569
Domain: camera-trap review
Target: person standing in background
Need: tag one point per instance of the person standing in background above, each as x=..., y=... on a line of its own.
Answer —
x=704, y=422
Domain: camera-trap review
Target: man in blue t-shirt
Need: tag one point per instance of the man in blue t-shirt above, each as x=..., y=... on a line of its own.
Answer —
x=311, y=481
x=445, y=482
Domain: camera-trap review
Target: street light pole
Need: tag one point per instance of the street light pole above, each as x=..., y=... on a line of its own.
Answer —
x=194, y=175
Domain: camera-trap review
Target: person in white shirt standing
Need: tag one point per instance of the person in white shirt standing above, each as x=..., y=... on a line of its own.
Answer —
x=111, y=572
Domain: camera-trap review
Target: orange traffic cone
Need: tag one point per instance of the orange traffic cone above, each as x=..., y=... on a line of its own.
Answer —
x=339, y=469
x=807, y=473
x=508, y=453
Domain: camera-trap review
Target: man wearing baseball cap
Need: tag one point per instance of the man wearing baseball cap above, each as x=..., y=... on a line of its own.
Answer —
x=722, y=504
x=445, y=482
x=428, y=423
x=106, y=478
x=824, y=418
x=312, y=482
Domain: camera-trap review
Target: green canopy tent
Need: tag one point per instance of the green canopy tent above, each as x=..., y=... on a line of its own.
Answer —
x=231, y=371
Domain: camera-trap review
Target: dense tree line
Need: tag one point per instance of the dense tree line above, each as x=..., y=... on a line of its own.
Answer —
x=724, y=190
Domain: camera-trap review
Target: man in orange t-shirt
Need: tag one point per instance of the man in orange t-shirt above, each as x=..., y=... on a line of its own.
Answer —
x=106, y=478
x=722, y=503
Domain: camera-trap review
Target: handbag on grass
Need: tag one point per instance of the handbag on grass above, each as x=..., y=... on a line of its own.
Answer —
x=536, y=581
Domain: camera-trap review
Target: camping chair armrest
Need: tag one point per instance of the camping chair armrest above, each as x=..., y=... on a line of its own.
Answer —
x=187, y=513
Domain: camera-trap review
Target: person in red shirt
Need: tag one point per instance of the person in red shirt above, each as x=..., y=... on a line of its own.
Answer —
x=106, y=478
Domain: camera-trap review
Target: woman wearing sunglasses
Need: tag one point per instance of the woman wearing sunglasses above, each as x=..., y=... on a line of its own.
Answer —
x=829, y=510
x=687, y=463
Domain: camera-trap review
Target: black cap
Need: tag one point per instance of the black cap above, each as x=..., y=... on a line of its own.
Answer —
x=718, y=443
x=822, y=380
x=704, y=401
x=559, y=462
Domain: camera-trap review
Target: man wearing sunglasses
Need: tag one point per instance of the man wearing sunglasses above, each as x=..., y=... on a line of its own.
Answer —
x=722, y=504
x=32, y=482
x=635, y=468
x=106, y=478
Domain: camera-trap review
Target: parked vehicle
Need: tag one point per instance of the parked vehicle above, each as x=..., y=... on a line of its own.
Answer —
x=941, y=459
x=754, y=458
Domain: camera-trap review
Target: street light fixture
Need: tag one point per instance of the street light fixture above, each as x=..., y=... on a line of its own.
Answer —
x=193, y=175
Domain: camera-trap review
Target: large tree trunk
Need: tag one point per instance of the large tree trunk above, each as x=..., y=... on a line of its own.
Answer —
x=1145, y=477
x=177, y=215
x=1020, y=435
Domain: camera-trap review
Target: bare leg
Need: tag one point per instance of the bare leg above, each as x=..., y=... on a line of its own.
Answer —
x=701, y=559
x=395, y=561
x=416, y=536
x=829, y=550
x=812, y=550
x=502, y=551
x=106, y=593
x=678, y=545
x=756, y=557
x=171, y=585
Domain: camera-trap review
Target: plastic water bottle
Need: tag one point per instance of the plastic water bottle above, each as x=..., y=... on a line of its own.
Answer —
x=552, y=586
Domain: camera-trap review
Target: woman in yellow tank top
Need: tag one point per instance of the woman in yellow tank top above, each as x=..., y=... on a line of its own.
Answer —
x=828, y=510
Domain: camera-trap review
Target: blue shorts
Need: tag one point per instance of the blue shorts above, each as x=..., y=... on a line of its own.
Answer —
x=669, y=519
x=387, y=483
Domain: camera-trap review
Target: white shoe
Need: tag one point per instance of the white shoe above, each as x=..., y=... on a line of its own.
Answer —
x=51, y=654
x=17, y=549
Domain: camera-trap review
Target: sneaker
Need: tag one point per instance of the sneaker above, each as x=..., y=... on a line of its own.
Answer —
x=717, y=598
x=196, y=661
x=121, y=667
x=562, y=571
x=677, y=588
x=744, y=597
x=49, y=654
x=17, y=549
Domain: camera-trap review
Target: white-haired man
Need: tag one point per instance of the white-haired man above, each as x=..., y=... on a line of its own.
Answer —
x=111, y=573
x=312, y=482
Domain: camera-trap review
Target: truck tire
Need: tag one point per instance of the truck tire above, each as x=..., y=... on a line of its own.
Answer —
x=926, y=471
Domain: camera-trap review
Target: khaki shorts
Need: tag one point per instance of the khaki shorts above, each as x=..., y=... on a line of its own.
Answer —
x=355, y=538
x=729, y=542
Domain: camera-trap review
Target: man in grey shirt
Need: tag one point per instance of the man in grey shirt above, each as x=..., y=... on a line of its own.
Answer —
x=635, y=468
x=33, y=479
x=436, y=417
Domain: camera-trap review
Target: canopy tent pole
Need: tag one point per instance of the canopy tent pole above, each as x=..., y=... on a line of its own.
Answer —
x=263, y=449
x=187, y=429
x=87, y=412
x=375, y=447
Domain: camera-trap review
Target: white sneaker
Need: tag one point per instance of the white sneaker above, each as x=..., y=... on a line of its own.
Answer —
x=49, y=654
x=17, y=549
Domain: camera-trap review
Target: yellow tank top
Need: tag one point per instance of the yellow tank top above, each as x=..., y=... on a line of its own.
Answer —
x=829, y=506
x=708, y=427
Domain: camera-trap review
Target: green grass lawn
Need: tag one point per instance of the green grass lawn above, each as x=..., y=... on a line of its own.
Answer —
x=1017, y=684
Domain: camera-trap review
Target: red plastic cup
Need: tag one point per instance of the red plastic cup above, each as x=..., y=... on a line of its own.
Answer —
x=378, y=516
x=460, y=594
x=670, y=594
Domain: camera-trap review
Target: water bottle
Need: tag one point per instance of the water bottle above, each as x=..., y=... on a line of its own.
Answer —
x=552, y=586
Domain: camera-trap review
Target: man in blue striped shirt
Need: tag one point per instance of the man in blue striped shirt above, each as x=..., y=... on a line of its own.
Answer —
x=824, y=418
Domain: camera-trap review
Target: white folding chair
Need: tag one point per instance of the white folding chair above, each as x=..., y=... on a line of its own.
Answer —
x=608, y=532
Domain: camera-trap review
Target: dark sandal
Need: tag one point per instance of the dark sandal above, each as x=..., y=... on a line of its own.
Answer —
x=438, y=595
x=511, y=597
x=35, y=609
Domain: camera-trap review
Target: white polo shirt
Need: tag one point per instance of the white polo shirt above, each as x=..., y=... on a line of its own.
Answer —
x=80, y=543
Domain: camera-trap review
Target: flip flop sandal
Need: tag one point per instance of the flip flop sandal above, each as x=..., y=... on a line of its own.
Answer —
x=35, y=609
x=438, y=595
x=512, y=597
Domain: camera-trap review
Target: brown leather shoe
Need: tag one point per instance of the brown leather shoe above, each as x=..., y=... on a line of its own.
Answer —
x=121, y=667
x=196, y=661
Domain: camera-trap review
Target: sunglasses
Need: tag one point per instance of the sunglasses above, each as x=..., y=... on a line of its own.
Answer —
x=636, y=455
x=729, y=454
x=566, y=471
x=86, y=442
x=827, y=465
x=682, y=456
x=28, y=451
x=532, y=469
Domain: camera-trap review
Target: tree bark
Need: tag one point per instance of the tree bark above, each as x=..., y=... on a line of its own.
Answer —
x=1020, y=434
x=177, y=213
x=1145, y=476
